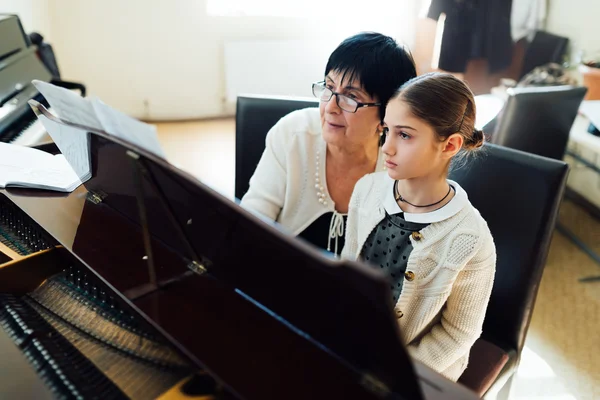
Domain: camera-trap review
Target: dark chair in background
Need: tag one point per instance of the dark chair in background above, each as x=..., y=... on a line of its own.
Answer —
x=46, y=55
x=544, y=48
x=494, y=180
x=538, y=120
x=254, y=116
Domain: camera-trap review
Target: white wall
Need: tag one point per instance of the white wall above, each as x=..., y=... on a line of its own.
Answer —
x=34, y=14
x=157, y=59
x=577, y=20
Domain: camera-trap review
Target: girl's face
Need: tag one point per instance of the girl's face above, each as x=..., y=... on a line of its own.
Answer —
x=412, y=149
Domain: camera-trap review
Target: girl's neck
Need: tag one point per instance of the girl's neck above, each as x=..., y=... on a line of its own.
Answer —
x=423, y=191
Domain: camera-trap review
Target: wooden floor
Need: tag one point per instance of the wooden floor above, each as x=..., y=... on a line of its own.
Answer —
x=561, y=360
x=206, y=149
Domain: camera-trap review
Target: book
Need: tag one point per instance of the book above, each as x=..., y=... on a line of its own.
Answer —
x=27, y=167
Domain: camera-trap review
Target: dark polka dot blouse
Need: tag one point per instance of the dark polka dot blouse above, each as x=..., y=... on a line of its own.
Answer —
x=388, y=247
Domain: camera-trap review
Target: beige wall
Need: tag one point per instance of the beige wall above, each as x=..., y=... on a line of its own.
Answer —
x=577, y=20
x=34, y=14
x=163, y=60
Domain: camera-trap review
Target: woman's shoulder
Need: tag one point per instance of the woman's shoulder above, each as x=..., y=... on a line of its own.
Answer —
x=306, y=121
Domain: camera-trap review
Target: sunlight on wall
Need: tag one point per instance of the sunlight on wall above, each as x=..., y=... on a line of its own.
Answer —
x=355, y=9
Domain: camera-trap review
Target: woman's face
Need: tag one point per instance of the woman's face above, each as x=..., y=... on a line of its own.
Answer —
x=346, y=129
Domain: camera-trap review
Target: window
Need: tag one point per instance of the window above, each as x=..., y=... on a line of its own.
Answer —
x=309, y=8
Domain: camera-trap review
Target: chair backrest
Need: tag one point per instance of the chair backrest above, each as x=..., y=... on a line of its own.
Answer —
x=45, y=53
x=518, y=194
x=538, y=120
x=255, y=115
x=544, y=48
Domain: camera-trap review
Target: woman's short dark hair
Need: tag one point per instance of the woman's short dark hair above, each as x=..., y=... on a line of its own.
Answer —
x=377, y=61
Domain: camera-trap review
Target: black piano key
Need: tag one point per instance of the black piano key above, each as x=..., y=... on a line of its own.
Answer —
x=86, y=284
x=19, y=232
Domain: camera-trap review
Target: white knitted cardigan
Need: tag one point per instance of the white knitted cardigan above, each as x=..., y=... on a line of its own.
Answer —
x=442, y=307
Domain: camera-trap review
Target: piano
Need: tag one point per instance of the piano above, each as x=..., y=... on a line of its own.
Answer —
x=19, y=65
x=145, y=283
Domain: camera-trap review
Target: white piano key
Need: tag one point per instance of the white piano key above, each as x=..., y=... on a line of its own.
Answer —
x=33, y=135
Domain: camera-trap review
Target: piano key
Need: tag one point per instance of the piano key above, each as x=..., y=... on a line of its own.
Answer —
x=33, y=135
x=19, y=378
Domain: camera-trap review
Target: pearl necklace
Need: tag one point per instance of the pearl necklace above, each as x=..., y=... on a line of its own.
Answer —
x=320, y=189
x=336, y=227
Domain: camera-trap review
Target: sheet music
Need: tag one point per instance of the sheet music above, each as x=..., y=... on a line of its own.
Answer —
x=68, y=105
x=96, y=114
x=128, y=128
x=73, y=143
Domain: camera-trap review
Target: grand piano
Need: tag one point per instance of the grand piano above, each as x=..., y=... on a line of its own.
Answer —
x=145, y=283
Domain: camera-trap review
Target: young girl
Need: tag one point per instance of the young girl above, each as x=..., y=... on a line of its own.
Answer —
x=420, y=229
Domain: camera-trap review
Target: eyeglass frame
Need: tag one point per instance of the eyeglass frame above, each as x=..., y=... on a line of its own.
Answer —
x=337, y=98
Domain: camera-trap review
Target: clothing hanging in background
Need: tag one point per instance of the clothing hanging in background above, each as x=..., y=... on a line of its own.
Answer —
x=527, y=16
x=474, y=29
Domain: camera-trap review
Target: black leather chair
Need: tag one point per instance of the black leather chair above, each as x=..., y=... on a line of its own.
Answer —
x=516, y=192
x=254, y=116
x=544, y=48
x=538, y=119
x=519, y=195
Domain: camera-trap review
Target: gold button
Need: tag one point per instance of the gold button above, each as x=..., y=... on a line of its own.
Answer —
x=409, y=275
x=399, y=314
x=417, y=236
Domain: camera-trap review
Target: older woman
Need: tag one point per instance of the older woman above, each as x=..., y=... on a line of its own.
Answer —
x=314, y=157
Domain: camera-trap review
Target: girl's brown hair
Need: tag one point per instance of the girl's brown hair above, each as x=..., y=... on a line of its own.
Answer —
x=445, y=103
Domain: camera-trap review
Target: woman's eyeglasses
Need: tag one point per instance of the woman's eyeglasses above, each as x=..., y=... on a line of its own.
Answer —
x=323, y=93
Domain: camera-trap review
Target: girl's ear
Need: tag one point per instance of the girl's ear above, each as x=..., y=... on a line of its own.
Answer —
x=452, y=145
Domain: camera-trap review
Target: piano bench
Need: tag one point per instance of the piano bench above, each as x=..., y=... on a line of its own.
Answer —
x=485, y=364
